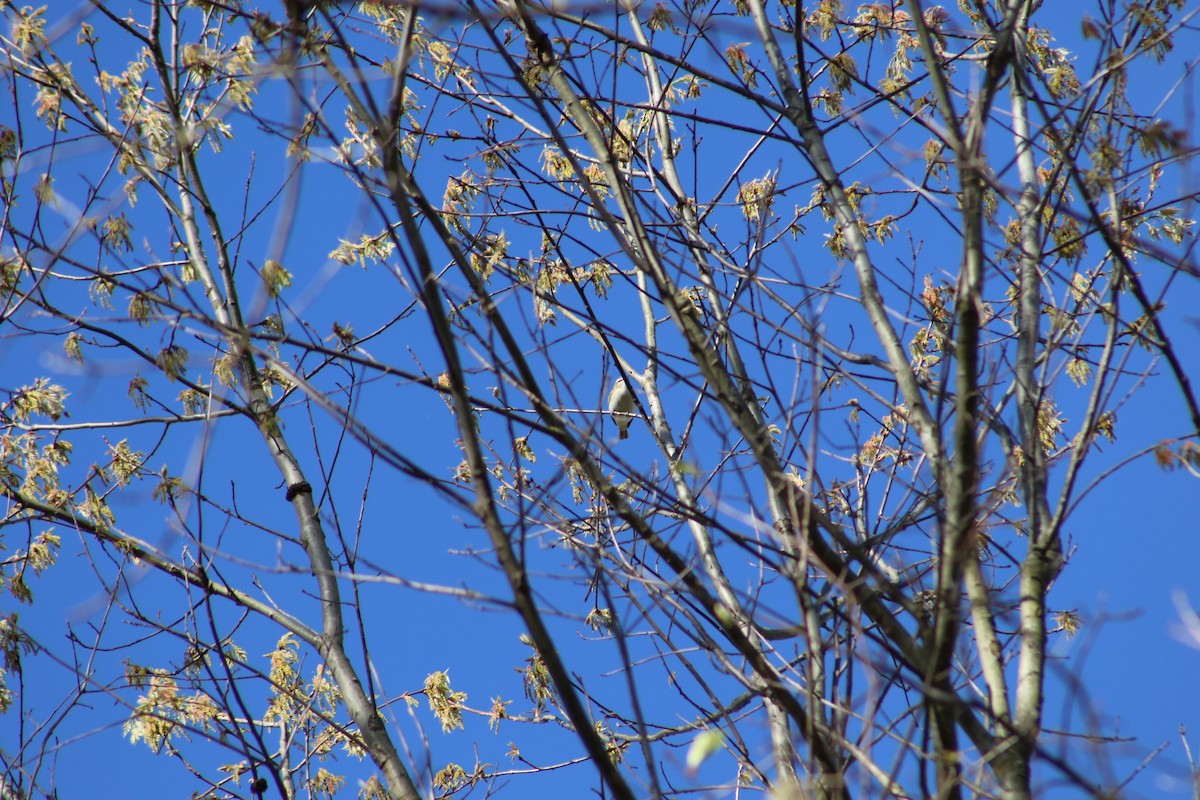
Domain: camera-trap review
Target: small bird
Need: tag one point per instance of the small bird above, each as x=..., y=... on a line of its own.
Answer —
x=621, y=406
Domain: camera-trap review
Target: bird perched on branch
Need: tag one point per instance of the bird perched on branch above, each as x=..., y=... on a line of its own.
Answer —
x=621, y=405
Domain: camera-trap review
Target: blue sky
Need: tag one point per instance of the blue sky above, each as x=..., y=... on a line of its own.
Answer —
x=1134, y=538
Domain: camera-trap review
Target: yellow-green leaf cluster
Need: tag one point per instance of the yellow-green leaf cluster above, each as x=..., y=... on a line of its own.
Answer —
x=756, y=197
x=521, y=445
x=600, y=620
x=48, y=102
x=142, y=308
x=1049, y=424
x=445, y=703
x=325, y=784
x=538, y=685
x=72, y=346
x=556, y=165
x=739, y=63
x=490, y=252
x=824, y=17
x=457, y=199
x=168, y=487
x=43, y=399
x=124, y=463
x=499, y=711
x=368, y=248
x=164, y=712
x=286, y=684
x=450, y=777
x=172, y=360
x=275, y=278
